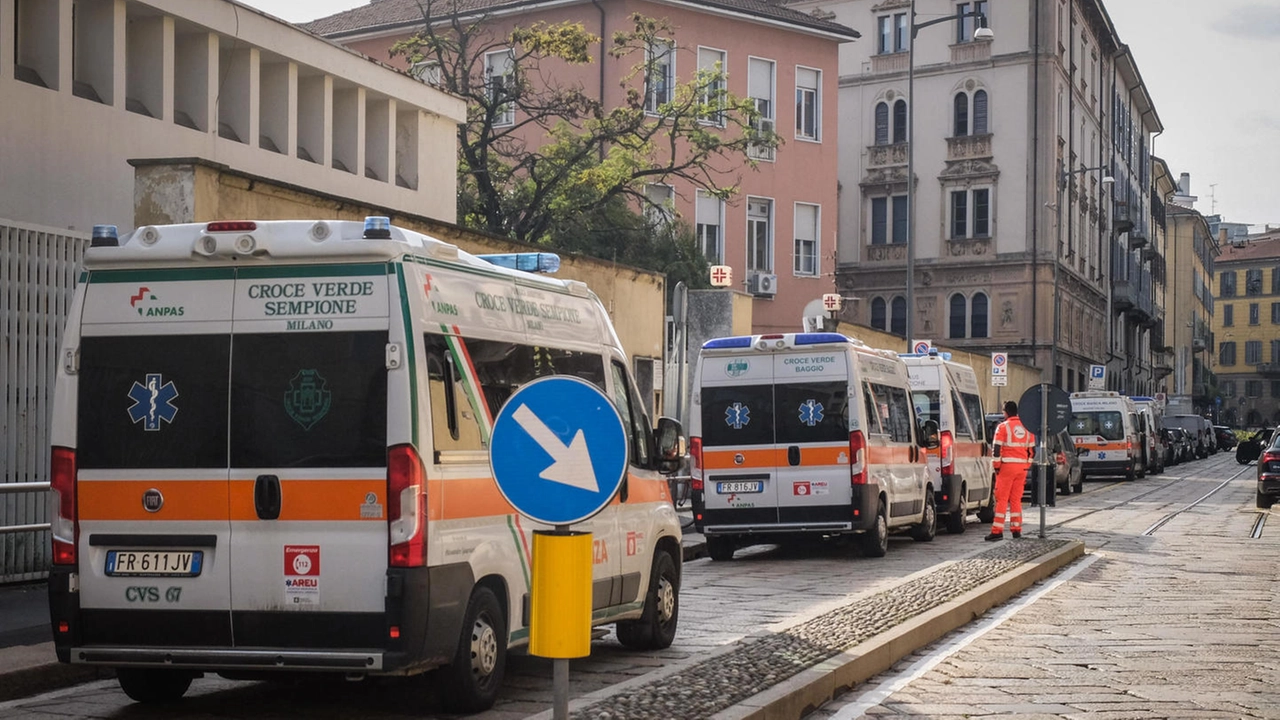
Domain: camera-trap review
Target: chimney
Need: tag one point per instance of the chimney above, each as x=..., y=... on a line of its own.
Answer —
x=1184, y=184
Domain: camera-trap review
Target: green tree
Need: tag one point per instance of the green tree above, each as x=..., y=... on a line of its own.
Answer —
x=545, y=162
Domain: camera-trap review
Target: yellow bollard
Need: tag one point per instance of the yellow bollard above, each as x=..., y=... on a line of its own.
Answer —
x=560, y=612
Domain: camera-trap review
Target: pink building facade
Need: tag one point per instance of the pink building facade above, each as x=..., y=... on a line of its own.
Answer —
x=778, y=233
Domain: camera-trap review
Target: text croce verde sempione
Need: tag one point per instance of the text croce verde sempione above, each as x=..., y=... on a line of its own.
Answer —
x=533, y=312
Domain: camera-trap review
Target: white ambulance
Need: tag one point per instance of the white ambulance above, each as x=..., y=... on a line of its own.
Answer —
x=1105, y=427
x=270, y=454
x=960, y=467
x=805, y=433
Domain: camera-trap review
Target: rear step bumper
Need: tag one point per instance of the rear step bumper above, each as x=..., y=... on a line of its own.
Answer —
x=217, y=659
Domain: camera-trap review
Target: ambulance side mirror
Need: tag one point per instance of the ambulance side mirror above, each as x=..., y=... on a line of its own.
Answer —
x=929, y=434
x=670, y=444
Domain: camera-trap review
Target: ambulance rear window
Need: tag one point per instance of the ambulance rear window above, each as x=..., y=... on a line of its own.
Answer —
x=1106, y=424
x=811, y=412
x=301, y=400
x=737, y=415
x=153, y=402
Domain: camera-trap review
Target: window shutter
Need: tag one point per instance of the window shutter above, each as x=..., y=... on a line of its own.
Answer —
x=760, y=79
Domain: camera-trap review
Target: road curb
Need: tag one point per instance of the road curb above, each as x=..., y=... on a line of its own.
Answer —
x=801, y=694
x=34, y=678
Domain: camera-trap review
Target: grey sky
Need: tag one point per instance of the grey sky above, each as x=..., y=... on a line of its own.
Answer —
x=1210, y=68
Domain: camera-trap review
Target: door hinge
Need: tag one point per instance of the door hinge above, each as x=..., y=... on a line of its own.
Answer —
x=393, y=356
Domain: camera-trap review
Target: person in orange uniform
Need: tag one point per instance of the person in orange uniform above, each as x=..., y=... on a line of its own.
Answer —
x=1012, y=450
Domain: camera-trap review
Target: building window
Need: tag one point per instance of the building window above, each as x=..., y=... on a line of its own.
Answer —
x=1227, y=353
x=889, y=316
x=966, y=25
x=1275, y=281
x=760, y=74
x=892, y=33
x=1253, y=352
x=1254, y=314
x=894, y=127
x=660, y=75
x=1275, y=352
x=807, y=233
x=1227, y=281
x=1228, y=315
x=1275, y=388
x=970, y=214
x=1275, y=313
x=1228, y=388
x=808, y=103
x=967, y=317
x=980, y=112
x=898, y=318
x=960, y=115
x=713, y=63
x=1253, y=388
x=878, y=314
x=882, y=220
x=759, y=235
x=900, y=121
x=969, y=113
x=710, y=224
x=957, y=316
x=499, y=72
x=428, y=72
x=978, y=316
x=661, y=208
x=1253, y=281
x=882, y=123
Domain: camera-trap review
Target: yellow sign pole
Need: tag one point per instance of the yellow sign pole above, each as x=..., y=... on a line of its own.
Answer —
x=560, y=606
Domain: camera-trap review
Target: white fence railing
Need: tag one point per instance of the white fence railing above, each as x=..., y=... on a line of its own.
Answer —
x=38, y=267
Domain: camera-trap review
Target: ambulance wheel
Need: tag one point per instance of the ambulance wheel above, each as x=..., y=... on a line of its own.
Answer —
x=470, y=684
x=875, y=541
x=987, y=512
x=720, y=548
x=656, y=628
x=955, y=520
x=149, y=686
x=927, y=530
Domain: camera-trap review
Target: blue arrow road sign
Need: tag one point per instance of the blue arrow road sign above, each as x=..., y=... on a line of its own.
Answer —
x=559, y=450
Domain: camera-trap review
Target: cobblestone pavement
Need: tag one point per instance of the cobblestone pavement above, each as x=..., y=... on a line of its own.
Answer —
x=1173, y=620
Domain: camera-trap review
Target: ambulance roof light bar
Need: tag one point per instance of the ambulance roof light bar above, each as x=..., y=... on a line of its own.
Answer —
x=377, y=227
x=105, y=236
x=534, y=262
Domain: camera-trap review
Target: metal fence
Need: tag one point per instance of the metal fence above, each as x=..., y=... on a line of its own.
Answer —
x=38, y=267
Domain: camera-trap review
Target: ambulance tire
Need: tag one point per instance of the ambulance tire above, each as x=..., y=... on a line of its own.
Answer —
x=470, y=683
x=720, y=548
x=875, y=542
x=656, y=628
x=151, y=686
x=927, y=529
x=987, y=513
x=955, y=520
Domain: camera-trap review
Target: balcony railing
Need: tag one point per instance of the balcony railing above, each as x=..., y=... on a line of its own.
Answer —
x=1271, y=370
x=887, y=155
x=968, y=147
x=889, y=62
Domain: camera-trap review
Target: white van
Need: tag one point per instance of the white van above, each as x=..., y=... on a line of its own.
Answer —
x=270, y=454
x=960, y=468
x=1151, y=419
x=805, y=433
x=1104, y=426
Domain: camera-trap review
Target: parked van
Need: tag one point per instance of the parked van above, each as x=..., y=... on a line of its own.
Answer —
x=271, y=454
x=960, y=468
x=1151, y=418
x=1201, y=431
x=805, y=433
x=1105, y=427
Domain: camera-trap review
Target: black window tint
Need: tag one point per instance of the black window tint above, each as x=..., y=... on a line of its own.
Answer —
x=1106, y=424
x=894, y=410
x=871, y=408
x=973, y=406
x=962, y=417
x=811, y=412
x=737, y=415
x=502, y=367
x=185, y=375
x=455, y=413
x=309, y=400
x=639, y=435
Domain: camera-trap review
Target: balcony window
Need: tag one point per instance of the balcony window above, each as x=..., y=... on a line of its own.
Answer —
x=970, y=212
x=1227, y=353
x=808, y=103
x=1253, y=352
x=1253, y=281
x=966, y=25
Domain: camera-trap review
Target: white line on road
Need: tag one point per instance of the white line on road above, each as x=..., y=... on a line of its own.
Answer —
x=884, y=690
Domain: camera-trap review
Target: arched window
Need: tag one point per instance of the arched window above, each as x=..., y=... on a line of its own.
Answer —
x=956, y=316
x=882, y=123
x=877, y=314
x=980, y=112
x=900, y=121
x=960, y=114
x=978, y=316
x=898, y=323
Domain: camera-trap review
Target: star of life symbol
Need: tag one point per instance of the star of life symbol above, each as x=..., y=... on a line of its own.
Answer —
x=1109, y=424
x=737, y=416
x=810, y=412
x=152, y=402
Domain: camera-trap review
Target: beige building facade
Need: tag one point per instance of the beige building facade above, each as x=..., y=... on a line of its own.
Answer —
x=1192, y=388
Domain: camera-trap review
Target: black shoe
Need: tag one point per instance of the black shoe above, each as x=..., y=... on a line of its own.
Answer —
x=1017, y=534
x=994, y=536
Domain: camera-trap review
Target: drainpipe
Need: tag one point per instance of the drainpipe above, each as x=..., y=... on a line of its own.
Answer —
x=604, y=39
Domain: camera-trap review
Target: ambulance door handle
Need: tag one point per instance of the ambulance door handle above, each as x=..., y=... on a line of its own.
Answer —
x=793, y=455
x=266, y=497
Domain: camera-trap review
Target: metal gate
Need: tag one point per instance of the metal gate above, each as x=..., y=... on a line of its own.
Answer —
x=38, y=267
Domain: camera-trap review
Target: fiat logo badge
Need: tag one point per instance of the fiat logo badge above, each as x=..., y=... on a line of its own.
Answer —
x=152, y=500
x=738, y=459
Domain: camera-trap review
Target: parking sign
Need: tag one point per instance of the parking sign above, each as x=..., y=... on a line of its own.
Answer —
x=999, y=363
x=1097, y=377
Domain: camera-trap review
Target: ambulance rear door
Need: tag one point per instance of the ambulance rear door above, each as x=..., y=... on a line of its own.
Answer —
x=151, y=448
x=739, y=449
x=309, y=428
x=810, y=395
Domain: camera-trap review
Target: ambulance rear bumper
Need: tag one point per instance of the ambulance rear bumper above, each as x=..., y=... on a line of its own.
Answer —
x=229, y=659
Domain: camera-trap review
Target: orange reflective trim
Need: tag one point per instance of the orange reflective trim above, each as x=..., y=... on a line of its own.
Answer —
x=183, y=499
x=768, y=458
x=303, y=499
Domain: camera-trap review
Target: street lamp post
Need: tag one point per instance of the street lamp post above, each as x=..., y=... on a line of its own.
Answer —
x=980, y=33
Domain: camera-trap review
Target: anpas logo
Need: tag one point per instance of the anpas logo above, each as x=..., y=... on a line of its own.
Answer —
x=148, y=305
x=734, y=368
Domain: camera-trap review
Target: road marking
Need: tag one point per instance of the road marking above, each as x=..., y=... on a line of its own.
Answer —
x=1160, y=523
x=916, y=670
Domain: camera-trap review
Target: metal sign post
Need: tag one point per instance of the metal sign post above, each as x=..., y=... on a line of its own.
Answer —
x=1053, y=405
x=559, y=455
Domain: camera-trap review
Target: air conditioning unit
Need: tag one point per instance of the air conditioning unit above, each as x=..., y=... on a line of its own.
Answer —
x=762, y=284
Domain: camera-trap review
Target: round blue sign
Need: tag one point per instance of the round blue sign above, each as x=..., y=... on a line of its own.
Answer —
x=559, y=450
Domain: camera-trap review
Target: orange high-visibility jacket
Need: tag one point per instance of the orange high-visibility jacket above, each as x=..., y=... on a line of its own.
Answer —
x=1014, y=444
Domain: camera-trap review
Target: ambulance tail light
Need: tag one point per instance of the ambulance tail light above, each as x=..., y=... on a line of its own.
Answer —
x=947, y=451
x=695, y=468
x=62, y=483
x=406, y=507
x=857, y=458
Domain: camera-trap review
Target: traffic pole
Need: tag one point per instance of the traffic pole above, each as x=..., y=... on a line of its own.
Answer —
x=560, y=606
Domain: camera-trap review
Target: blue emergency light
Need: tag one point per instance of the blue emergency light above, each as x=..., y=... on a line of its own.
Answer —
x=727, y=343
x=821, y=337
x=105, y=236
x=377, y=227
x=534, y=262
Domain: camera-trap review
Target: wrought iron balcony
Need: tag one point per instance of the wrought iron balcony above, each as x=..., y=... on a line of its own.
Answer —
x=1123, y=223
x=1271, y=370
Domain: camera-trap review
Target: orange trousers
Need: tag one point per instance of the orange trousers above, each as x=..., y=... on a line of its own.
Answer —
x=1011, y=480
